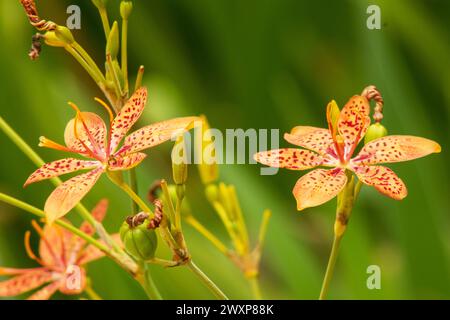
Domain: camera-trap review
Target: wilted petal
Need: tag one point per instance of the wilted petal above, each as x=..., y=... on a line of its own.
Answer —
x=24, y=283
x=91, y=132
x=318, y=186
x=46, y=292
x=156, y=134
x=127, y=117
x=395, y=149
x=383, y=179
x=126, y=162
x=312, y=138
x=294, y=159
x=67, y=195
x=59, y=167
x=353, y=123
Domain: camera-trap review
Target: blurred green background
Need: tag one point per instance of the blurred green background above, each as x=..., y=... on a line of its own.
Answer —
x=253, y=64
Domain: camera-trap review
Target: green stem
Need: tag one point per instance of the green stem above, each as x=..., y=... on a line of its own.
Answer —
x=134, y=187
x=90, y=292
x=330, y=267
x=83, y=63
x=147, y=283
x=89, y=60
x=105, y=21
x=124, y=55
x=206, y=281
x=256, y=290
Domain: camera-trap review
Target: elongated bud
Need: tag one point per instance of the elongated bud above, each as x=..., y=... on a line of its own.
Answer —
x=375, y=131
x=206, y=149
x=212, y=192
x=138, y=237
x=125, y=9
x=64, y=34
x=112, y=45
x=179, y=162
x=100, y=4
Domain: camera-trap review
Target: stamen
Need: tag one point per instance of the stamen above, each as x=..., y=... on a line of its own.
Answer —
x=44, y=142
x=28, y=249
x=105, y=105
x=41, y=233
x=340, y=146
x=79, y=115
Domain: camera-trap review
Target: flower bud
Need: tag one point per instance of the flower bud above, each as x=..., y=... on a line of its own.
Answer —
x=212, y=193
x=375, y=131
x=125, y=9
x=64, y=35
x=206, y=148
x=179, y=161
x=112, y=45
x=139, y=240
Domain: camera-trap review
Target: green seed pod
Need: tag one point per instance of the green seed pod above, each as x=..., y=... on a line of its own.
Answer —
x=52, y=40
x=64, y=35
x=125, y=9
x=139, y=241
x=375, y=131
x=112, y=45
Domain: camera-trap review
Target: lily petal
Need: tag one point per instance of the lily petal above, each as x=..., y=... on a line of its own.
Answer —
x=395, y=149
x=90, y=132
x=92, y=253
x=156, y=134
x=126, y=162
x=383, y=179
x=99, y=213
x=68, y=194
x=46, y=292
x=353, y=123
x=60, y=167
x=24, y=283
x=16, y=271
x=318, y=186
x=294, y=159
x=312, y=138
x=53, y=245
x=127, y=117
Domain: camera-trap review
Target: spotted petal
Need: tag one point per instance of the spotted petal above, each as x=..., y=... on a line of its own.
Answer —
x=24, y=283
x=353, y=123
x=127, y=117
x=54, y=244
x=46, y=292
x=60, y=167
x=90, y=130
x=126, y=162
x=312, y=138
x=99, y=213
x=294, y=159
x=383, y=179
x=318, y=186
x=395, y=149
x=68, y=194
x=156, y=134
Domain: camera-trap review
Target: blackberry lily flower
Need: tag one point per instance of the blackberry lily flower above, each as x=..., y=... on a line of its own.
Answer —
x=62, y=256
x=334, y=147
x=86, y=135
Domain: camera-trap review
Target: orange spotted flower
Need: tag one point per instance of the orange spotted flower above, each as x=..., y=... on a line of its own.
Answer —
x=334, y=147
x=87, y=136
x=62, y=256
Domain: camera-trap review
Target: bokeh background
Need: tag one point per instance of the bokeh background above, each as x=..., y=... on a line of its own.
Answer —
x=253, y=64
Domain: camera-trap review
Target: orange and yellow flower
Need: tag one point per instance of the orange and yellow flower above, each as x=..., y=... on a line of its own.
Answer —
x=62, y=256
x=87, y=136
x=334, y=147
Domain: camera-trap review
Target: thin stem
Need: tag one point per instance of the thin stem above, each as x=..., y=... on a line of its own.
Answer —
x=256, y=289
x=105, y=21
x=89, y=60
x=147, y=283
x=125, y=187
x=207, y=281
x=39, y=213
x=124, y=55
x=330, y=267
x=83, y=63
x=90, y=292
x=207, y=234
x=134, y=187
